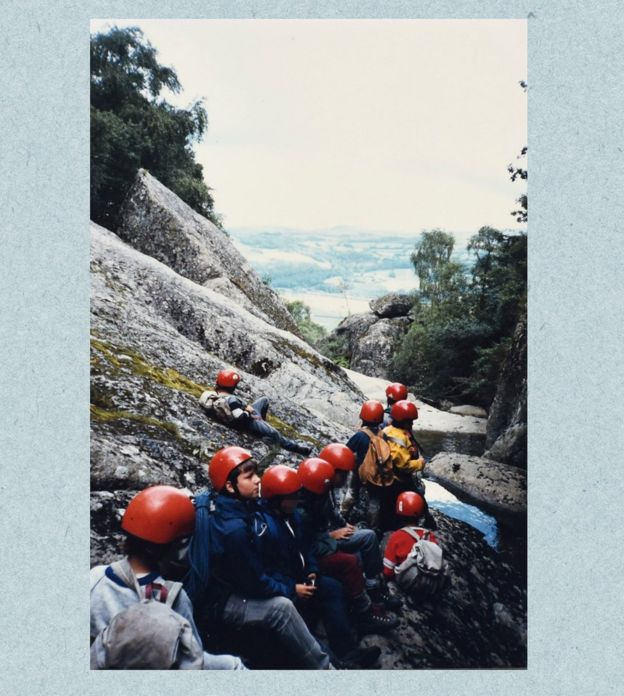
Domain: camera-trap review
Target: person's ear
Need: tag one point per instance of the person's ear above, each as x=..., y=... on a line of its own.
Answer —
x=229, y=487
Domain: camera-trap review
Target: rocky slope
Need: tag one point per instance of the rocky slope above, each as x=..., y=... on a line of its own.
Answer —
x=158, y=338
x=366, y=340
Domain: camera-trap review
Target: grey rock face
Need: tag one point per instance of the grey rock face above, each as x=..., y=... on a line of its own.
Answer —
x=466, y=410
x=506, y=435
x=155, y=221
x=393, y=304
x=370, y=341
x=498, y=487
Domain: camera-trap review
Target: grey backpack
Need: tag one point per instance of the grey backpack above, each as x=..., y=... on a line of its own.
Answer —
x=424, y=570
x=148, y=634
x=216, y=406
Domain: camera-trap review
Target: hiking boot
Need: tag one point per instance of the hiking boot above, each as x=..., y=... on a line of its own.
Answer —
x=381, y=595
x=374, y=621
x=304, y=449
x=360, y=658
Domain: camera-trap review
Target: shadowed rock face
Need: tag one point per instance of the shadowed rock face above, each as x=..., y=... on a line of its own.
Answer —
x=155, y=221
x=393, y=304
x=506, y=438
x=158, y=338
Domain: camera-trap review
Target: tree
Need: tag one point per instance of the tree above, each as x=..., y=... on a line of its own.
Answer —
x=310, y=330
x=430, y=257
x=132, y=127
x=520, y=172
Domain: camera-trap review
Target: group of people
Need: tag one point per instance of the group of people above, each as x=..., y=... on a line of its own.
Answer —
x=265, y=558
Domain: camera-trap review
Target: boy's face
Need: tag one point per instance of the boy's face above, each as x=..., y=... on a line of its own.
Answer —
x=247, y=482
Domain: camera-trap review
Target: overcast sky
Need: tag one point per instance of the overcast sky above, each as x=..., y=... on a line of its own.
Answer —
x=397, y=125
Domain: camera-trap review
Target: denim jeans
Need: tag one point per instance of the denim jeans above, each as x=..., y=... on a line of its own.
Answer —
x=279, y=615
x=364, y=543
x=258, y=426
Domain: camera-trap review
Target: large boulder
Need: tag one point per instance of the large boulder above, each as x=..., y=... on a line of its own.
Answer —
x=497, y=487
x=393, y=304
x=506, y=434
x=157, y=222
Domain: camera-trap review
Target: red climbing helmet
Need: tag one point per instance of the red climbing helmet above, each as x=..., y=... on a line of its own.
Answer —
x=223, y=464
x=372, y=412
x=396, y=391
x=403, y=411
x=410, y=504
x=160, y=514
x=339, y=456
x=228, y=378
x=316, y=475
x=279, y=480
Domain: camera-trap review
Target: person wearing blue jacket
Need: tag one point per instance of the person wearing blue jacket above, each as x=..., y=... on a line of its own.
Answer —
x=242, y=590
x=287, y=556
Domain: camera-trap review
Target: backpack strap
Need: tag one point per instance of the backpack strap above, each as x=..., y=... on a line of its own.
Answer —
x=389, y=438
x=124, y=572
x=414, y=534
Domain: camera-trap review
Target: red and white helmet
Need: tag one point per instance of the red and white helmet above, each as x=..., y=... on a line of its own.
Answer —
x=403, y=411
x=372, y=412
x=227, y=378
x=160, y=514
x=279, y=480
x=316, y=475
x=410, y=504
x=223, y=464
x=339, y=456
x=396, y=391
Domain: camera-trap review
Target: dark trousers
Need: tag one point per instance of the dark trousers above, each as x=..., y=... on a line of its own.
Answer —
x=346, y=568
x=257, y=425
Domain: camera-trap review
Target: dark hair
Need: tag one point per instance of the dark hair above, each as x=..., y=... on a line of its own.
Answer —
x=147, y=551
x=242, y=468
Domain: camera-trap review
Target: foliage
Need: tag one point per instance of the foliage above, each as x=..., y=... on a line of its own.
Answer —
x=133, y=127
x=463, y=318
x=311, y=331
x=520, y=172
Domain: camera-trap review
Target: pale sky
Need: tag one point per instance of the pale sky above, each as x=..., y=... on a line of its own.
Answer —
x=397, y=125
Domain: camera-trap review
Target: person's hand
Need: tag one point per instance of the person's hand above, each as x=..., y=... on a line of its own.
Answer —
x=342, y=533
x=311, y=579
x=305, y=592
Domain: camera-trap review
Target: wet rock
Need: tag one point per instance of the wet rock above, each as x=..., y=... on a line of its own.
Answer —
x=498, y=487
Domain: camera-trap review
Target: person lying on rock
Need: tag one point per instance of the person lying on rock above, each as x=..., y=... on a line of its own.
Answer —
x=394, y=392
x=287, y=556
x=156, y=519
x=411, y=508
x=250, y=418
x=372, y=490
x=241, y=591
x=407, y=460
x=317, y=477
x=338, y=543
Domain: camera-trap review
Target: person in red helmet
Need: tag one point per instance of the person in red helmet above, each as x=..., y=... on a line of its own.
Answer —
x=287, y=555
x=335, y=536
x=241, y=592
x=250, y=418
x=317, y=478
x=407, y=459
x=394, y=392
x=372, y=490
x=411, y=508
x=155, y=520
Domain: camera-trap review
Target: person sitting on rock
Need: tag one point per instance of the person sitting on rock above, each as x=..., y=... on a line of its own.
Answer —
x=428, y=572
x=251, y=418
x=394, y=392
x=407, y=459
x=372, y=489
x=156, y=519
x=316, y=476
x=287, y=555
x=241, y=592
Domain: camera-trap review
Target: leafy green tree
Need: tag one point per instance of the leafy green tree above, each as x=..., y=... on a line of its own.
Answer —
x=431, y=257
x=310, y=330
x=133, y=127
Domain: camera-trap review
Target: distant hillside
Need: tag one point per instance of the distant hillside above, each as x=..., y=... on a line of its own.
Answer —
x=337, y=271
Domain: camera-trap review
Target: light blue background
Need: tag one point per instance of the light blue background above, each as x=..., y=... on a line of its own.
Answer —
x=576, y=102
